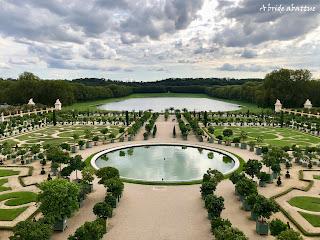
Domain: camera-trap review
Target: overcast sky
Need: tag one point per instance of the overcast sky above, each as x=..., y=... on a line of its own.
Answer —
x=154, y=39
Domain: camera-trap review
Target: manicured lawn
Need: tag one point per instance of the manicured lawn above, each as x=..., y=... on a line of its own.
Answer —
x=273, y=136
x=8, y=172
x=18, y=198
x=317, y=177
x=313, y=219
x=2, y=182
x=64, y=134
x=92, y=105
x=306, y=203
x=11, y=214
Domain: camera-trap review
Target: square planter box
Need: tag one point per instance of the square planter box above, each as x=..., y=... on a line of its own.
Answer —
x=262, y=228
x=262, y=183
x=112, y=140
x=130, y=138
x=243, y=146
x=251, y=149
x=211, y=140
x=122, y=139
x=236, y=145
x=185, y=137
x=82, y=147
x=89, y=144
x=219, y=141
x=254, y=216
x=246, y=206
x=74, y=149
x=258, y=151
x=60, y=225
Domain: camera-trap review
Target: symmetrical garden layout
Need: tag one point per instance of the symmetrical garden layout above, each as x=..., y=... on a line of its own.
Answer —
x=285, y=172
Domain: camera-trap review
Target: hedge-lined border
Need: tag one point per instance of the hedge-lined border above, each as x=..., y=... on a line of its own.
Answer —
x=304, y=189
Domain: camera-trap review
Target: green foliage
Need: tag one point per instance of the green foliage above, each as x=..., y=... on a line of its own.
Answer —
x=111, y=200
x=264, y=207
x=289, y=234
x=107, y=173
x=11, y=214
x=102, y=210
x=58, y=199
x=87, y=175
x=30, y=230
x=245, y=187
x=217, y=222
x=252, y=167
x=208, y=187
x=227, y=132
x=306, y=202
x=229, y=233
x=236, y=177
x=277, y=226
x=114, y=186
x=90, y=231
x=214, y=205
x=8, y=172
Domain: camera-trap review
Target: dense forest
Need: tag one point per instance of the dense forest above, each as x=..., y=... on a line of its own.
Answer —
x=292, y=87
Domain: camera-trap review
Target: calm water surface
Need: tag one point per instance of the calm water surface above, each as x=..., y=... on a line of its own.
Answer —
x=159, y=104
x=172, y=163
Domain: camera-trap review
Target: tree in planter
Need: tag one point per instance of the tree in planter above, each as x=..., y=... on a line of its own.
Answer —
x=111, y=200
x=114, y=186
x=56, y=155
x=243, y=136
x=103, y=210
x=81, y=143
x=77, y=164
x=276, y=168
x=229, y=233
x=213, y=173
x=227, y=133
x=252, y=168
x=289, y=234
x=107, y=173
x=95, y=139
x=65, y=146
x=87, y=177
x=58, y=199
x=264, y=178
x=104, y=131
x=208, y=187
x=263, y=209
x=277, y=226
x=252, y=144
x=30, y=230
x=249, y=201
x=66, y=171
x=112, y=136
x=236, y=177
x=245, y=187
x=218, y=222
x=35, y=149
x=75, y=137
x=214, y=205
x=90, y=230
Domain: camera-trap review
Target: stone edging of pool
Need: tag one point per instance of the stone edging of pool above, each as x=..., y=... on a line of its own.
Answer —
x=235, y=158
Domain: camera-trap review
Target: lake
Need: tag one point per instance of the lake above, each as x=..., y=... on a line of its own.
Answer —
x=159, y=104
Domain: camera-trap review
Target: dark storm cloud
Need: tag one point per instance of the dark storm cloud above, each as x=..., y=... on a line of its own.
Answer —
x=254, y=26
x=72, y=21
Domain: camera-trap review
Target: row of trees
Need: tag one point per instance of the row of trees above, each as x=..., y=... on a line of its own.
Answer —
x=221, y=228
x=283, y=84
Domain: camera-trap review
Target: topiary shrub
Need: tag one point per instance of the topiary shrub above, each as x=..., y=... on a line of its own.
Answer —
x=277, y=226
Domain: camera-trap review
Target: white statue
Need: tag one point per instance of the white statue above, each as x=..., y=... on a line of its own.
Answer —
x=58, y=105
x=307, y=104
x=31, y=102
x=277, y=106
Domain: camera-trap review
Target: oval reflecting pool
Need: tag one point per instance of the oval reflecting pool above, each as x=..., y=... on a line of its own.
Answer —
x=175, y=163
x=158, y=104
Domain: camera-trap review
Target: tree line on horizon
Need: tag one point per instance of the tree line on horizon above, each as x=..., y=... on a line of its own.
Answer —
x=292, y=87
